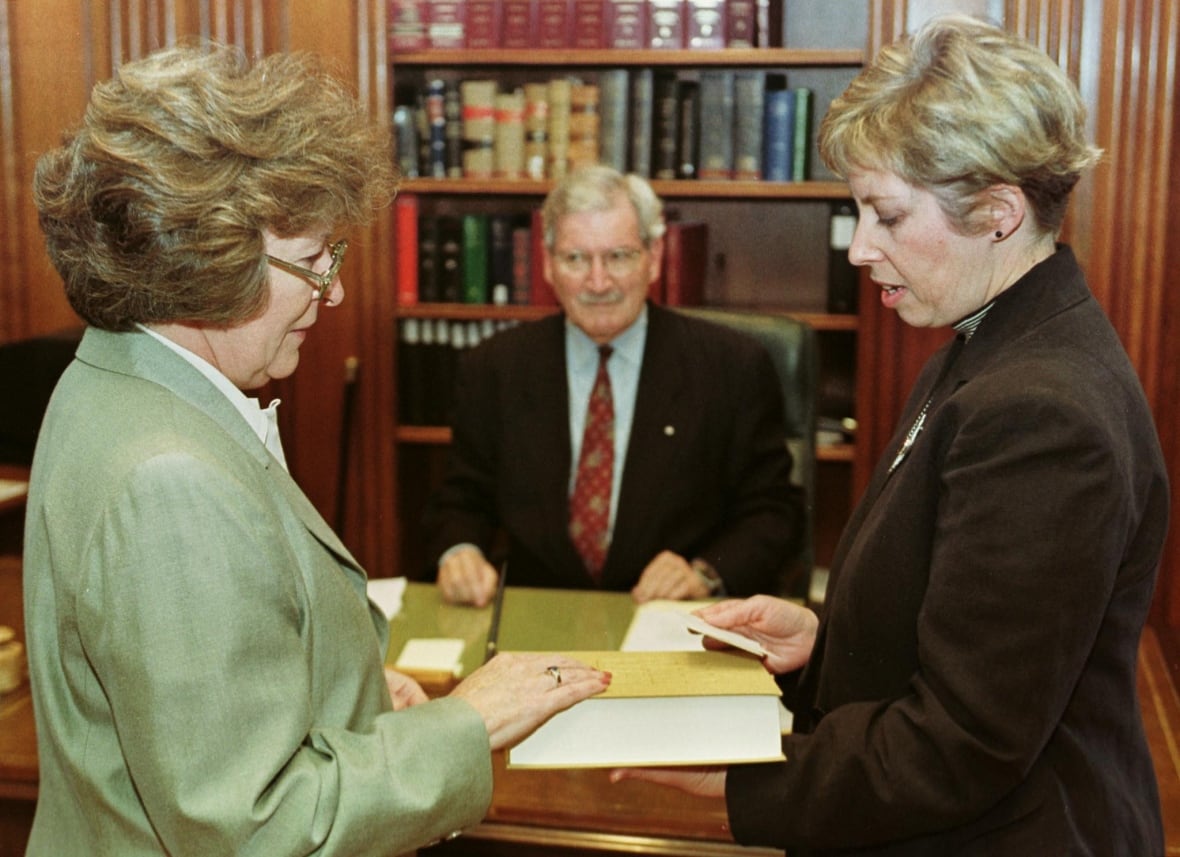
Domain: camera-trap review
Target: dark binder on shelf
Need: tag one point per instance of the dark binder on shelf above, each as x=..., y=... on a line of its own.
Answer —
x=450, y=259
x=843, y=279
x=665, y=124
x=429, y=290
x=500, y=228
x=436, y=123
x=688, y=134
x=411, y=407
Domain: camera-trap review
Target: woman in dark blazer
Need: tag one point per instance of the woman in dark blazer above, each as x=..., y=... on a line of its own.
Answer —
x=970, y=689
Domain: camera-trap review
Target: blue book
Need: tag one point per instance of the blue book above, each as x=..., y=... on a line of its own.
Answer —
x=778, y=135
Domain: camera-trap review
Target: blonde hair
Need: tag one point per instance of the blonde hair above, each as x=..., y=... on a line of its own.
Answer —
x=154, y=209
x=596, y=187
x=957, y=108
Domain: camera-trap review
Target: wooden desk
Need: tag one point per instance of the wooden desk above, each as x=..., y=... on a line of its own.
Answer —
x=14, y=487
x=549, y=812
x=537, y=813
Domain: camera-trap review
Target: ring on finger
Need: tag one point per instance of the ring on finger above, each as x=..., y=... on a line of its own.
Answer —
x=555, y=673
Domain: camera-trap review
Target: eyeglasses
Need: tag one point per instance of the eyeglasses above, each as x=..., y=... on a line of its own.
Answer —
x=619, y=261
x=321, y=283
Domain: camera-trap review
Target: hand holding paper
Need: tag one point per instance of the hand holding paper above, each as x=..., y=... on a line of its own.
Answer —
x=783, y=629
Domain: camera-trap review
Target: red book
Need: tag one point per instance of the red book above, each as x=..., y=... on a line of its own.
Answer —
x=407, y=25
x=665, y=26
x=484, y=24
x=686, y=263
x=589, y=24
x=626, y=24
x=741, y=24
x=519, y=23
x=405, y=222
x=447, y=24
x=704, y=23
x=540, y=292
x=555, y=20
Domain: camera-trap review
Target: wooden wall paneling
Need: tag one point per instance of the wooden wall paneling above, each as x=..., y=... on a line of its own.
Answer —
x=352, y=39
x=11, y=299
x=1167, y=612
x=47, y=90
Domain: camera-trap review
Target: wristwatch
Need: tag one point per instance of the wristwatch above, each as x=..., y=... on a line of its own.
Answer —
x=708, y=576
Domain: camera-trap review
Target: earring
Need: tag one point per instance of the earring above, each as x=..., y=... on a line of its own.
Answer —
x=999, y=234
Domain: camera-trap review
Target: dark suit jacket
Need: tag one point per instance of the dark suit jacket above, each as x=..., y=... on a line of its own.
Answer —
x=706, y=474
x=972, y=690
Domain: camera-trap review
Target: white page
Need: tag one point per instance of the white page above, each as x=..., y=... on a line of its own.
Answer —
x=659, y=626
x=656, y=731
x=386, y=593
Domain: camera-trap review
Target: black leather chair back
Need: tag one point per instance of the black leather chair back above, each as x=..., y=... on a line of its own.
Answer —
x=792, y=347
x=29, y=369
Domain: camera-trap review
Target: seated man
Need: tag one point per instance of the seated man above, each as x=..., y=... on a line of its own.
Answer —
x=619, y=445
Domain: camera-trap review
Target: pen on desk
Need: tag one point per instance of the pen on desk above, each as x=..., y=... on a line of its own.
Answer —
x=497, y=608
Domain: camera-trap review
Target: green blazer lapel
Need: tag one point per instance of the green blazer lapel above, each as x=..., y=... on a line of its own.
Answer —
x=139, y=355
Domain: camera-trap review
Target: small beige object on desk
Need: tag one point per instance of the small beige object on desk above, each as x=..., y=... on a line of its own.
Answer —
x=12, y=660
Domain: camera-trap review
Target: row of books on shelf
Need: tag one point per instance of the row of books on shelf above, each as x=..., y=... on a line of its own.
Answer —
x=419, y=25
x=428, y=349
x=479, y=258
x=708, y=124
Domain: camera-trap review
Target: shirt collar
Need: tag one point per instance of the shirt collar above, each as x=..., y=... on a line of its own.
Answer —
x=628, y=344
x=250, y=409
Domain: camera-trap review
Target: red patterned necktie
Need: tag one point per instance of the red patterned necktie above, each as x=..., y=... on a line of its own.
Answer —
x=590, y=503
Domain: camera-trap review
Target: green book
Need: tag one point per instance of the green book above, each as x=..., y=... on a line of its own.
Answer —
x=801, y=144
x=475, y=258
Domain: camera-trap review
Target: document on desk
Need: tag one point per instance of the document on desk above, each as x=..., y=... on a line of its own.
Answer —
x=671, y=626
x=11, y=489
x=664, y=709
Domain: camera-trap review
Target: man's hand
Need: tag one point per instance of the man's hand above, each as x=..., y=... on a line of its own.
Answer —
x=785, y=629
x=669, y=576
x=466, y=577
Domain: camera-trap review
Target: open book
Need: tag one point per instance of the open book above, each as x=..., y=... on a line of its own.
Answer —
x=662, y=709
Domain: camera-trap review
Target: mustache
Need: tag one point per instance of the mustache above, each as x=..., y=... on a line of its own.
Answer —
x=609, y=298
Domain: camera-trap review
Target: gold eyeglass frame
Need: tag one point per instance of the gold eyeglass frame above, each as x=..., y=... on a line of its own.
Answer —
x=321, y=283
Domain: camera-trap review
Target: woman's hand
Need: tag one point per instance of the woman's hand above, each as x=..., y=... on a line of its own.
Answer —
x=515, y=693
x=403, y=690
x=785, y=629
x=706, y=782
